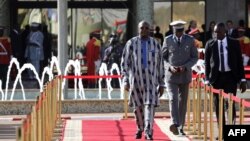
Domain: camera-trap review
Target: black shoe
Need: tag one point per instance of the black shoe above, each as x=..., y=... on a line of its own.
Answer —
x=173, y=128
x=182, y=132
x=148, y=137
x=138, y=134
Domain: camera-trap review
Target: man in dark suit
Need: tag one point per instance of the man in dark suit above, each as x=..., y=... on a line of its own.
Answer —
x=231, y=31
x=223, y=66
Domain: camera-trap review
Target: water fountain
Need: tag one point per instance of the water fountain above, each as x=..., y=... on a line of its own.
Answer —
x=1, y=91
x=80, y=101
x=78, y=93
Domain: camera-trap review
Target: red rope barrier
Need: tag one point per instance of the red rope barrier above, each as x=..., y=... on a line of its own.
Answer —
x=247, y=68
x=216, y=91
x=196, y=75
x=247, y=76
x=235, y=98
x=226, y=95
x=246, y=103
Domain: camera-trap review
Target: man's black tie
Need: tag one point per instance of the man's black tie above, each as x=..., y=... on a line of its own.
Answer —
x=222, y=57
x=179, y=41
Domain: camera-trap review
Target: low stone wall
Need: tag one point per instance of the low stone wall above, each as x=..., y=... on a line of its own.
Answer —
x=16, y=107
x=102, y=106
x=73, y=106
x=77, y=106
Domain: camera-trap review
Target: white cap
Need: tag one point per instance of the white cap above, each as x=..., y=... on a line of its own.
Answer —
x=34, y=24
x=178, y=24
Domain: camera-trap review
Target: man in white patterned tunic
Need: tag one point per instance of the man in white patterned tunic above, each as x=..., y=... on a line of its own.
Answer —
x=179, y=55
x=143, y=77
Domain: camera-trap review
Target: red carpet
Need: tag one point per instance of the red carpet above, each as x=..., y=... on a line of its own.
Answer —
x=115, y=130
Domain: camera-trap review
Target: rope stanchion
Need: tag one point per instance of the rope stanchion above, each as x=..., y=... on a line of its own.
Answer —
x=221, y=110
x=241, y=112
x=205, y=113
x=39, y=118
x=59, y=98
x=48, y=110
x=45, y=115
x=19, y=134
x=52, y=110
x=34, y=124
x=188, y=112
x=28, y=128
x=211, y=113
x=23, y=133
x=23, y=137
x=44, y=119
x=230, y=110
x=194, y=108
x=200, y=133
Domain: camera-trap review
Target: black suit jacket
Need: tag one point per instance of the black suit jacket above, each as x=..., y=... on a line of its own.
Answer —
x=212, y=61
x=234, y=34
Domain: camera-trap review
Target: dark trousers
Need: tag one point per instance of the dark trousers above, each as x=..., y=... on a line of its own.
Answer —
x=115, y=81
x=144, y=116
x=3, y=74
x=226, y=82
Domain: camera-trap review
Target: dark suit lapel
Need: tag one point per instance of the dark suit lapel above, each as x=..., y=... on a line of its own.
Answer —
x=229, y=50
x=216, y=52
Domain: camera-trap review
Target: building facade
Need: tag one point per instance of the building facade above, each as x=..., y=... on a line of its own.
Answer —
x=121, y=16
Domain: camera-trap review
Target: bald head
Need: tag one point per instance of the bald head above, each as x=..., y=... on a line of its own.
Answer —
x=143, y=29
x=220, y=31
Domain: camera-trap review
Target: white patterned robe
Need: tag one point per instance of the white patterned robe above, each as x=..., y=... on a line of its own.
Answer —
x=143, y=82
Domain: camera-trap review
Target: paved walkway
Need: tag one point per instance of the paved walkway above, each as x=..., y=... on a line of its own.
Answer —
x=73, y=128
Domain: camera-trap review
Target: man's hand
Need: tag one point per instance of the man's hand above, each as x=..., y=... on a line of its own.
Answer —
x=174, y=69
x=160, y=91
x=243, y=86
x=126, y=87
x=181, y=69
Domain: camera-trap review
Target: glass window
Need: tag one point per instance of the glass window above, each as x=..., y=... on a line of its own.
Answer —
x=81, y=22
x=162, y=15
x=48, y=22
x=104, y=20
